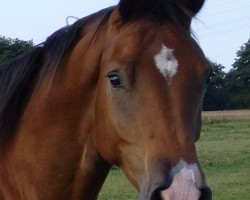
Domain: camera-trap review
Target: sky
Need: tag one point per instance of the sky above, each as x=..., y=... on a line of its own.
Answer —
x=221, y=27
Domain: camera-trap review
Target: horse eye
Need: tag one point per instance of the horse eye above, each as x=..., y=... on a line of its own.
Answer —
x=114, y=80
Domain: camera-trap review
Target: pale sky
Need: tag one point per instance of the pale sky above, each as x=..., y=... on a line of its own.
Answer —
x=221, y=27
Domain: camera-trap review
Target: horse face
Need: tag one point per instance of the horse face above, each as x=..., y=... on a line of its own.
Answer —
x=148, y=109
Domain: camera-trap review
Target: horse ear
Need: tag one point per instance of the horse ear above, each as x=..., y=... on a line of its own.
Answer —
x=130, y=7
x=193, y=5
x=124, y=7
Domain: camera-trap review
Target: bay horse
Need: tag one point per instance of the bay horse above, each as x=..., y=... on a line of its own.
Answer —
x=122, y=87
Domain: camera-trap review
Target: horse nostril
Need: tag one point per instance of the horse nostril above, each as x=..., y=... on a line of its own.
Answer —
x=206, y=193
x=156, y=194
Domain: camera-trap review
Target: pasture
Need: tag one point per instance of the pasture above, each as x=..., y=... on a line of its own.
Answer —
x=224, y=153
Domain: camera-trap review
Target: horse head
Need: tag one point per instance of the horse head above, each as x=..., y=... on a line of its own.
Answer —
x=149, y=98
x=120, y=87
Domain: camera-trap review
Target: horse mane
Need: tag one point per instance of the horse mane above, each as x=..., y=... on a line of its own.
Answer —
x=20, y=76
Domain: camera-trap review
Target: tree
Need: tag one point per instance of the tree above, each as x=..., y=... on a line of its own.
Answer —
x=10, y=48
x=216, y=95
x=239, y=79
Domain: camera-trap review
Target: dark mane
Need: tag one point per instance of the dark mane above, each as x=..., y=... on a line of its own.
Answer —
x=19, y=77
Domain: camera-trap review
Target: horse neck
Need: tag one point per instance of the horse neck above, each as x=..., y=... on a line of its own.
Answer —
x=53, y=155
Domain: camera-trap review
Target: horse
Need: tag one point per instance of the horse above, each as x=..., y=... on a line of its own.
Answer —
x=124, y=87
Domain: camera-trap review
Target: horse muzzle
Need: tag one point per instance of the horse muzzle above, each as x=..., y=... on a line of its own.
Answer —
x=187, y=192
x=184, y=182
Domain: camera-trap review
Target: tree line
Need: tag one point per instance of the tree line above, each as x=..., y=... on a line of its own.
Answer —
x=10, y=48
x=230, y=91
x=225, y=91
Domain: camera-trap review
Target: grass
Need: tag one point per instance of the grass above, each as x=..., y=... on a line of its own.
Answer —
x=223, y=151
x=220, y=116
x=117, y=187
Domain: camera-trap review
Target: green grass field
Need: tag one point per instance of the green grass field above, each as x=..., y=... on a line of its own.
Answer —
x=224, y=153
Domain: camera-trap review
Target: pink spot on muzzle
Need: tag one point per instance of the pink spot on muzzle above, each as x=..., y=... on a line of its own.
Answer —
x=183, y=187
